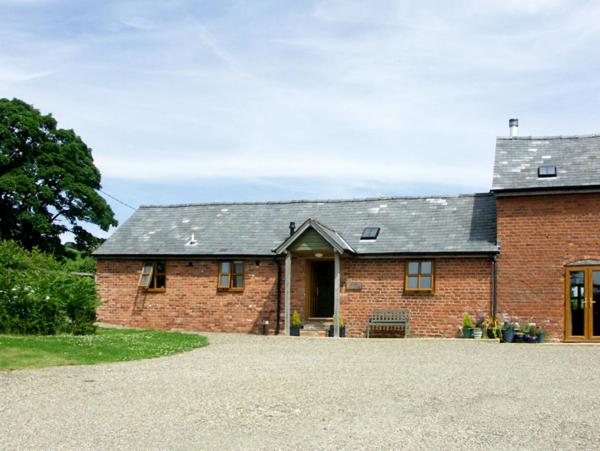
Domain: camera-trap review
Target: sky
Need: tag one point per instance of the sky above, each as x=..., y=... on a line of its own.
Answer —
x=195, y=101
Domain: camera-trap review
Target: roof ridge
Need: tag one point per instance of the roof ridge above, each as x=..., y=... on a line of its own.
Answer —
x=526, y=138
x=315, y=201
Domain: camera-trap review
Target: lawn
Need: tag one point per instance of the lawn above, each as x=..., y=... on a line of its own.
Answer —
x=108, y=345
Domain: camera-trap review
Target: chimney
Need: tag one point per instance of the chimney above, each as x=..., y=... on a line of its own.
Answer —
x=513, y=125
x=292, y=228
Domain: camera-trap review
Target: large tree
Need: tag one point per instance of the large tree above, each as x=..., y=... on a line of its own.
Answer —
x=48, y=182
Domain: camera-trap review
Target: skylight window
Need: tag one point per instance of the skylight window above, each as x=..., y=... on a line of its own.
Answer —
x=370, y=233
x=547, y=171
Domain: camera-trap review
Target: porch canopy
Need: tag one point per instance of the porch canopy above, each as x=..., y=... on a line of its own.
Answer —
x=315, y=237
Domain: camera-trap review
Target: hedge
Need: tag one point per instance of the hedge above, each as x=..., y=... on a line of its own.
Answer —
x=39, y=295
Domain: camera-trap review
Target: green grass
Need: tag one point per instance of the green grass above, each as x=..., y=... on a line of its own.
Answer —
x=108, y=345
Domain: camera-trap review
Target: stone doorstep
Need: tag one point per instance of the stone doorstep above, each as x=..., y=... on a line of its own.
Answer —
x=315, y=328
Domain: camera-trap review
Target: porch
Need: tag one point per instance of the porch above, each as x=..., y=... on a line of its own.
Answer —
x=319, y=250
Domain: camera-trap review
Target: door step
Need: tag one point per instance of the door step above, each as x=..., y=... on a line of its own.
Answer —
x=315, y=329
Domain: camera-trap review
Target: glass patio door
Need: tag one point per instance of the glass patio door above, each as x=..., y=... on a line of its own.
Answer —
x=583, y=303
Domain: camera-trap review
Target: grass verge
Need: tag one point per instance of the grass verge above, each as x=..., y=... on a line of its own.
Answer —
x=108, y=345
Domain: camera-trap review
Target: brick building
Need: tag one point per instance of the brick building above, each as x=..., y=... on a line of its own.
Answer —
x=528, y=250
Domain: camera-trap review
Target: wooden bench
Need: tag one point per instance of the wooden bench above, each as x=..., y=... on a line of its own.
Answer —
x=387, y=319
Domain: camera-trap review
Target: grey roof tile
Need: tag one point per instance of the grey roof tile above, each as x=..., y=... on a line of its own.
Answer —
x=458, y=224
x=577, y=161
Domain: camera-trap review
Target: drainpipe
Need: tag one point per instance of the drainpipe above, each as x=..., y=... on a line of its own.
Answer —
x=278, y=303
x=494, y=284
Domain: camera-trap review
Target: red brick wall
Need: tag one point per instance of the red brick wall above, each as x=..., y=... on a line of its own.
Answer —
x=192, y=301
x=539, y=235
x=462, y=285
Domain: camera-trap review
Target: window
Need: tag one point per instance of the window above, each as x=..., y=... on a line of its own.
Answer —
x=370, y=233
x=231, y=276
x=547, y=171
x=153, y=276
x=419, y=276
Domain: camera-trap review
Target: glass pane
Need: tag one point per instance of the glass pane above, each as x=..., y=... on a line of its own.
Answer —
x=161, y=281
x=148, y=268
x=596, y=303
x=239, y=267
x=225, y=267
x=425, y=267
x=238, y=282
x=160, y=267
x=426, y=282
x=413, y=267
x=413, y=282
x=224, y=280
x=577, y=302
x=144, y=280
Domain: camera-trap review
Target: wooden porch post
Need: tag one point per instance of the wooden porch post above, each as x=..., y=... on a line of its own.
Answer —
x=336, y=294
x=288, y=291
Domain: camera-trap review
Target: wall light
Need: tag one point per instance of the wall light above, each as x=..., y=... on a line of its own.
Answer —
x=318, y=255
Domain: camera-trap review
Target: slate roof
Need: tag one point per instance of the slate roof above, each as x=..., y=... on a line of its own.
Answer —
x=459, y=224
x=577, y=161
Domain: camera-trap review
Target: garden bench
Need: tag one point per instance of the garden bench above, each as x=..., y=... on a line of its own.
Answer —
x=387, y=319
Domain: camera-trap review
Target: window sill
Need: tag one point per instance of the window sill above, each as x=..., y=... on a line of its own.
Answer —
x=419, y=291
x=156, y=290
x=231, y=290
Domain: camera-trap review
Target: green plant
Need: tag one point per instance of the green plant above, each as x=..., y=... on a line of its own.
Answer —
x=296, y=320
x=539, y=331
x=493, y=328
x=38, y=296
x=467, y=321
x=508, y=325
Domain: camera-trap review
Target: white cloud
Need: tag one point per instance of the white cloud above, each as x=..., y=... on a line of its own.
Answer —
x=396, y=91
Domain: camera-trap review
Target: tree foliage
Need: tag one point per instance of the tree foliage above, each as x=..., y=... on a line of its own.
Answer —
x=48, y=181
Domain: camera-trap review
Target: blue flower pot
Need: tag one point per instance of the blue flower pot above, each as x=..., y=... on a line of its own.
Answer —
x=509, y=335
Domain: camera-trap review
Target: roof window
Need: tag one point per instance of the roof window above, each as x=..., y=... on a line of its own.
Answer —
x=547, y=171
x=370, y=233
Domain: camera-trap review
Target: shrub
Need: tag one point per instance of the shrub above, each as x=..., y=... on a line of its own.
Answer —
x=38, y=295
x=467, y=321
x=296, y=320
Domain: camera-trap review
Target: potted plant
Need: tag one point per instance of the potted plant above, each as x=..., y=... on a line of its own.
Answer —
x=478, y=331
x=531, y=334
x=508, y=331
x=341, y=325
x=467, y=326
x=296, y=324
x=493, y=329
x=541, y=334
x=519, y=334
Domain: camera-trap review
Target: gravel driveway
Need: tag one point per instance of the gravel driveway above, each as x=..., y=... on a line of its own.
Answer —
x=275, y=392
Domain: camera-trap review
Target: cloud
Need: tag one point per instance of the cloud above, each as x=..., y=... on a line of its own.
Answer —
x=18, y=75
x=395, y=91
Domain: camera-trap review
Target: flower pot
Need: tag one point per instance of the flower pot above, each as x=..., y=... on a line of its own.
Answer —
x=530, y=338
x=295, y=331
x=477, y=332
x=518, y=337
x=509, y=335
x=468, y=332
x=541, y=337
x=342, y=331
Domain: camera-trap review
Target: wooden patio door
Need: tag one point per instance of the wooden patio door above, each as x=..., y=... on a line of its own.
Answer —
x=582, y=306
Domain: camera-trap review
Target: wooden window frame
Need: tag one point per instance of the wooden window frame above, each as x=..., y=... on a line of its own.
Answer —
x=419, y=276
x=153, y=274
x=231, y=275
